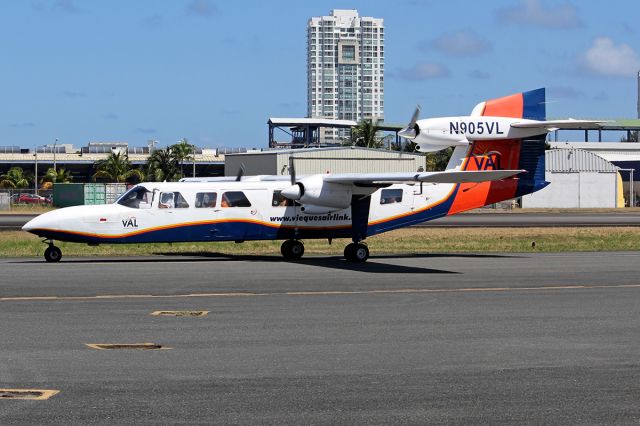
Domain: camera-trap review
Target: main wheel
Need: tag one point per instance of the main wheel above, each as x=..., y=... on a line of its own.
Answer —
x=52, y=254
x=356, y=252
x=292, y=249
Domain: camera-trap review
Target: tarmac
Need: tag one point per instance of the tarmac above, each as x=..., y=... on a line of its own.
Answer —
x=424, y=338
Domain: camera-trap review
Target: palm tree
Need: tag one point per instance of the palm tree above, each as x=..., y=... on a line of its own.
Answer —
x=364, y=134
x=60, y=175
x=16, y=178
x=181, y=151
x=162, y=165
x=116, y=168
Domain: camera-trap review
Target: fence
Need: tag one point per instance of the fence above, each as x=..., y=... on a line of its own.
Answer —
x=63, y=195
x=10, y=198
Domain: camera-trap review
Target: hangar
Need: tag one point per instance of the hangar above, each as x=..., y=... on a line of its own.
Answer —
x=578, y=179
x=323, y=160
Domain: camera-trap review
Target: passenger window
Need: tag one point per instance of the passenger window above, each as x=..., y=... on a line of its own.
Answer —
x=234, y=199
x=390, y=196
x=206, y=200
x=172, y=200
x=280, y=201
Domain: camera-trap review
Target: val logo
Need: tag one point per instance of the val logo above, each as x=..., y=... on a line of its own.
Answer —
x=130, y=223
x=488, y=161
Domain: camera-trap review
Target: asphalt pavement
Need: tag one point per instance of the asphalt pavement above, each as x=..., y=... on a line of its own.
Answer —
x=439, y=338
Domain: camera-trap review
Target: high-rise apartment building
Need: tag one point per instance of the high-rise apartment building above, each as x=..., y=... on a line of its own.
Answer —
x=345, y=69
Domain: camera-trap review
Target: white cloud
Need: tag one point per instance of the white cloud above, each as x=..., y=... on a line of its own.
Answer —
x=607, y=59
x=461, y=43
x=535, y=13
x=424, y=71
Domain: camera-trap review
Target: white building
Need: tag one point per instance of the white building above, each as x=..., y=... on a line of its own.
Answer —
x=345, y=69
x=578, y=179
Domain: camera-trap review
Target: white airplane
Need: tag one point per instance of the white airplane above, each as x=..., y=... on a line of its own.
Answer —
x=497, y=156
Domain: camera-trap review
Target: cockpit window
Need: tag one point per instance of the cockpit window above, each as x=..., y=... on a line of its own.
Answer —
x=137, y=198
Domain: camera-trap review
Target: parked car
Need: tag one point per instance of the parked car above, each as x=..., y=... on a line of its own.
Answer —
x=25, y=198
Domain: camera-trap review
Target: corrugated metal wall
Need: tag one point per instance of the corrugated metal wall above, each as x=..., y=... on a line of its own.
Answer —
x=332, y=160
x=576, y=160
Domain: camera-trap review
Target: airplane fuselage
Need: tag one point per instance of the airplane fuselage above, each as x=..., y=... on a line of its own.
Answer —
x=197, y=212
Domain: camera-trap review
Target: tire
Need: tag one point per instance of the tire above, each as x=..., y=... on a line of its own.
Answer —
x=360, y=253
x=292, y=249
x=348, y=252
x=297, y=249
x=285, y=249
x=356, y=252
x=52, y=254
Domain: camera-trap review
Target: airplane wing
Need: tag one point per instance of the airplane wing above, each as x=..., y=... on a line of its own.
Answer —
x=570, y=124
x=430, y=177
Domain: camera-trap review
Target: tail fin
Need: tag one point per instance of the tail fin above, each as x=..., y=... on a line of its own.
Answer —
x=514, y=154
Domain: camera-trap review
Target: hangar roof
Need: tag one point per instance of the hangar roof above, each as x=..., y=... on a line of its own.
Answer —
x=576, y=160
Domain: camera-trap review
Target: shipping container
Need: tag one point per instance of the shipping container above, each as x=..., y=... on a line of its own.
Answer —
x=68, y=194
x=94, y=193
x=114, y=190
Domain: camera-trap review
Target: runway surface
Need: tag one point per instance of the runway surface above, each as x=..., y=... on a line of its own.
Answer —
x=544, y=219
x=527, y=338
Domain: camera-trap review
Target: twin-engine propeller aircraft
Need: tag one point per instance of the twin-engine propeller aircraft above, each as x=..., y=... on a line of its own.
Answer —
x=498, y=155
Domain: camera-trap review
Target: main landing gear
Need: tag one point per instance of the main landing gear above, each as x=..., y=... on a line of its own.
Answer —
x=52, y=253
x=353, y=252
x=292, y=249
x=356, y=252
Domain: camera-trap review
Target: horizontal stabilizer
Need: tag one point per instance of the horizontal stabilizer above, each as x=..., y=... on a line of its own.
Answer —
x=430, y=177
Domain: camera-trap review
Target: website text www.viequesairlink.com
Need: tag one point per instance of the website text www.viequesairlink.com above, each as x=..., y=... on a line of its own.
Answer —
x=310, y=218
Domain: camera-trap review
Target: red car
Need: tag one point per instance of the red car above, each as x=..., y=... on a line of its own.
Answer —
x=32, y=199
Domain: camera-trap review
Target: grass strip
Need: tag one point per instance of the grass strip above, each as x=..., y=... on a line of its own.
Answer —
x=407, y=240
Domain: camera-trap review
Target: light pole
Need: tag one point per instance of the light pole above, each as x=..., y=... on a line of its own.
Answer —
x=35, y=183
x=55, y=145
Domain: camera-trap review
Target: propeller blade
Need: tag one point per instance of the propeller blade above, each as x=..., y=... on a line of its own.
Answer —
x=292, y=171
x=410, y=132
x=240, y=173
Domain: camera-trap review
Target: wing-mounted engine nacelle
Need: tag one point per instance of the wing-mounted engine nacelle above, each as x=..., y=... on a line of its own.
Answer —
x=318, y=196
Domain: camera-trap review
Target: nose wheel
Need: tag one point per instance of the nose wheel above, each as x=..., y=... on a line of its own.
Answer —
x=52, y=253
x=356, y=252
x=292, y=249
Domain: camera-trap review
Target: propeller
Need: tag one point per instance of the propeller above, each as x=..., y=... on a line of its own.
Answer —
x=240, y=173
x=411, y=131
x=295, y=191
x=292, y=171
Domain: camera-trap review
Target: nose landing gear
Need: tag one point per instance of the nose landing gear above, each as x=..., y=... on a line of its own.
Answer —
x=52, y=253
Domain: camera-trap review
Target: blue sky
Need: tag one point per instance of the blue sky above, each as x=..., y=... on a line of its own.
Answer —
x=214, y=71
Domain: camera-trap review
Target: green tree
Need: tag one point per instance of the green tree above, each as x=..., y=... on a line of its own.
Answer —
x=365, y=134
x=116, y=168
x=16, y=178
x=162, y=165
x=181, y=152
x=60, y=175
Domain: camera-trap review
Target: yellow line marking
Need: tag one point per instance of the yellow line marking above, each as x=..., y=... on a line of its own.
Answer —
x=322, y=293
x=126, y=346
x=180, y=313
x=32, y=394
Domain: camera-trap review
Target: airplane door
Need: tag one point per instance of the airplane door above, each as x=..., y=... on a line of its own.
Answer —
x=240, y=217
